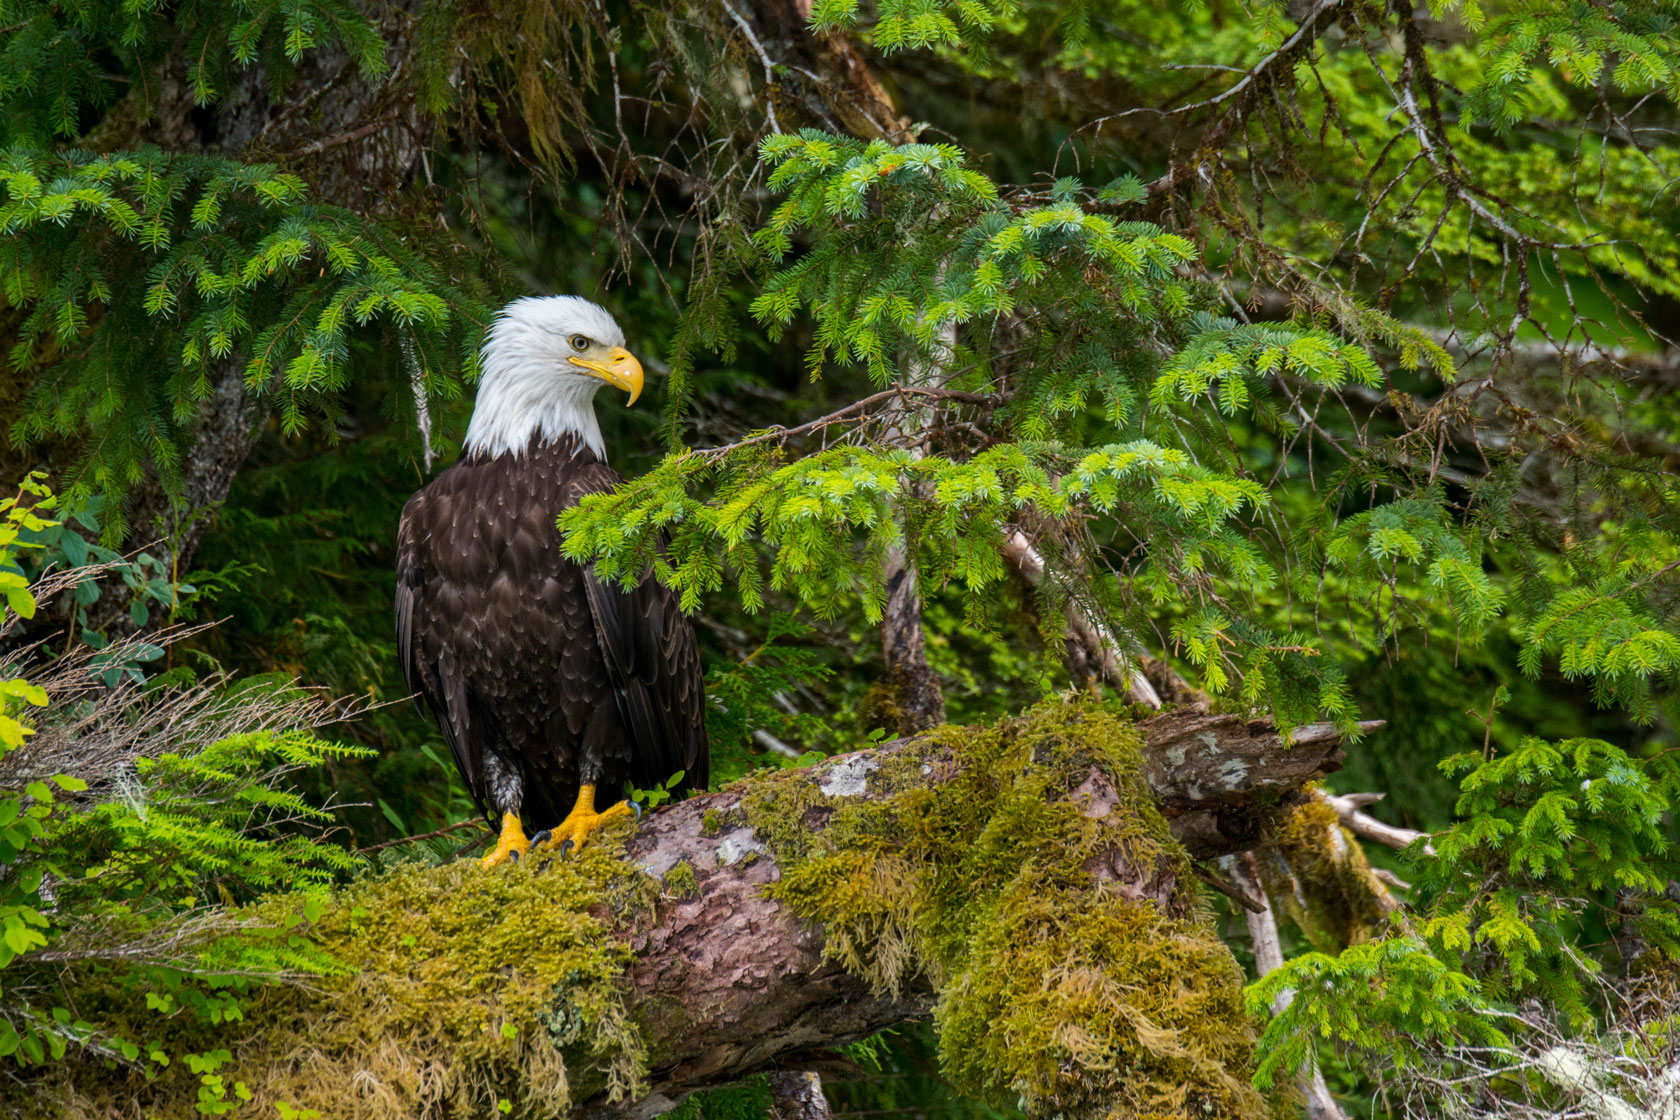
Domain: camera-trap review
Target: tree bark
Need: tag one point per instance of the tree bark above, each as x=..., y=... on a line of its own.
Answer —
x=229, y=422
x=1221, y=780
x=914, y=699
x=797, y=1096
x=729, y=983
x=827, y=78
x=743, y=985
x=916, y=702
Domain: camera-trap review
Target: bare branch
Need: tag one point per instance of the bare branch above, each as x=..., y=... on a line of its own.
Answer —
x=1349, y=809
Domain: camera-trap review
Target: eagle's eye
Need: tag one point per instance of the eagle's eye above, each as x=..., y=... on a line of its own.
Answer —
x=579, y=342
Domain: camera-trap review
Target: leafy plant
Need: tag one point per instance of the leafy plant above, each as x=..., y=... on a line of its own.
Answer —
x=1552, y=838
x=125, y=809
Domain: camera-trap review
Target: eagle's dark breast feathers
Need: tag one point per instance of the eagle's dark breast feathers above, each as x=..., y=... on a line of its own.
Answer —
x=522, y=654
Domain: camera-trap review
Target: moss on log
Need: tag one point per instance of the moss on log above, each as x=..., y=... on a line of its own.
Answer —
x=1017, y=882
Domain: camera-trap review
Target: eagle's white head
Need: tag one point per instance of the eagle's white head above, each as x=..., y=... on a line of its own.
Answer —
x=542, y=363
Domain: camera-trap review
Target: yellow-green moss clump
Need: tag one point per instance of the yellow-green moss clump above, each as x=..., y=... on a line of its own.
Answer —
x=681, y=881
x=464, y=994
x=1060, y=989
x=1321, y=877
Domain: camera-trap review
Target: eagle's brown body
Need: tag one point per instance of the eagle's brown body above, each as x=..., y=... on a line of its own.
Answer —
x=541, y=677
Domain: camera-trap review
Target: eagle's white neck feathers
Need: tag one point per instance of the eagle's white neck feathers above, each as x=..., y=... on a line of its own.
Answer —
x=526, y=386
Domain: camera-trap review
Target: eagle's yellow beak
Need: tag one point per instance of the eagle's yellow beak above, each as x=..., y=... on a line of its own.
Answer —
x=621, y=370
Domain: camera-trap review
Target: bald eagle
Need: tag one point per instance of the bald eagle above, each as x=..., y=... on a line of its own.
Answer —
x=551, y=687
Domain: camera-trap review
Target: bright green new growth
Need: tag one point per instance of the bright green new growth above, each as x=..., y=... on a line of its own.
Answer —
x=841, y=504
x=142, y=262
x=24, y=813
x=1391, y=999
x=1542, y=827
x=1099, y=298
x=1076, y=968
x=1546, y=830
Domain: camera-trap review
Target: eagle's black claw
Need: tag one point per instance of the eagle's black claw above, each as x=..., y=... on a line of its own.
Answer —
x=513, y=855
x=566, y=846
x=636, y=808
x=540, y=839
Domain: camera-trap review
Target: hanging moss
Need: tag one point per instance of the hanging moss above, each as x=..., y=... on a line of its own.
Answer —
x=1077, y=970
x=463, y=995
x=1320, y=876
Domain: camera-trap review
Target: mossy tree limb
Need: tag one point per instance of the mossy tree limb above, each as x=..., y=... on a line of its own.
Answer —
x=1016, y=882
x=1220, y=780
x=1012, y=879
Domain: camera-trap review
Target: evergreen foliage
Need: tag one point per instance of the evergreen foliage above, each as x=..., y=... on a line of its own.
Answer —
x=56, y=63
x=1549, y=835
x=241, y=270
x=1326, y=349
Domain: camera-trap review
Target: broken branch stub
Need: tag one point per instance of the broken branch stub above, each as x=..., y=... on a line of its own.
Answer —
x=1220, y=779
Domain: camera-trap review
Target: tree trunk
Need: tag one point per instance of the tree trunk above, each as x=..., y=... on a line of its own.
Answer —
x=827, y=78
x=229, y=422
x=913, y=700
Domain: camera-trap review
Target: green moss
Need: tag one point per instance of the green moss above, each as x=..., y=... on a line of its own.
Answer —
x=681, y=881
x=1324, y=883
x=748, y=1099
x=461, y=989
x=711, y=821
x=1061, y=989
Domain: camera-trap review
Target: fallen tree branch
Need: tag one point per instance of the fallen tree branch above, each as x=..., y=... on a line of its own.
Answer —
x=754, y=929
x=1120, y=670
x=1268, y=957
x=1211, y=773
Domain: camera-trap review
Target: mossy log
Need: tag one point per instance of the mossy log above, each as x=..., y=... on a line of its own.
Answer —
x=1016, y=882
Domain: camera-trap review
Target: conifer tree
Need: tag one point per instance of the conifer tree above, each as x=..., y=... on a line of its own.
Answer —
x=1266, y=339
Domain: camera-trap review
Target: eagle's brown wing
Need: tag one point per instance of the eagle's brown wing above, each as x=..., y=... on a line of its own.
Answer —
x=653, y=662
x=446, y=695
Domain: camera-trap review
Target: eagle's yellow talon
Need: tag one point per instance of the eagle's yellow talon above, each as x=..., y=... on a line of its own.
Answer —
x=582, y=821
x=511, y=844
